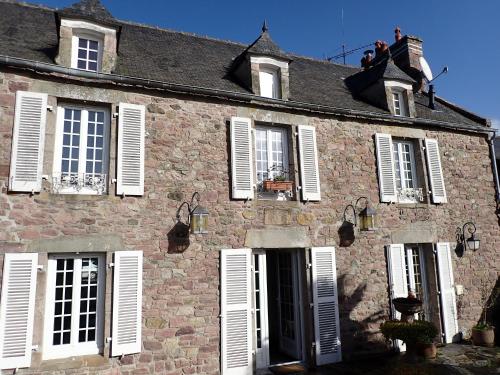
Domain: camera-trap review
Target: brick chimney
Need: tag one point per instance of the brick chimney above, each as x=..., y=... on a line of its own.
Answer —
x=405, y=53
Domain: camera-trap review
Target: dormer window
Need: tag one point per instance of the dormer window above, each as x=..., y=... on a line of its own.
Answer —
x=87, y=54
x=269, y=83
x=399, y=103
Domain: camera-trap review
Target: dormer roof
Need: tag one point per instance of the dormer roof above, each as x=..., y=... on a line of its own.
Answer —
x=384, y=69
x=91, y=10
x=265, y=46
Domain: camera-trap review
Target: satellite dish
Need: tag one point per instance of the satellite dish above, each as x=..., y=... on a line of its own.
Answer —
x=426, y=69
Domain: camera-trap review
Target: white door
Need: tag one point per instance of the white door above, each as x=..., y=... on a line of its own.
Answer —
x=261, y=324
x=289, y=317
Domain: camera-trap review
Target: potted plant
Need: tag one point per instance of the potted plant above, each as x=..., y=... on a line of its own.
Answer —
x=411, y=334
x=426, y=347
x=279, y=182
x=483, y=334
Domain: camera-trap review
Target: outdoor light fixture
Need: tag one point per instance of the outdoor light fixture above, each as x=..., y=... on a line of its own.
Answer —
x=366, y=215
x=198, y=215
x=472, y=242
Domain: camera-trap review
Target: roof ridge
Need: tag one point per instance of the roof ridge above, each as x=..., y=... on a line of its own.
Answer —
x=29, y=5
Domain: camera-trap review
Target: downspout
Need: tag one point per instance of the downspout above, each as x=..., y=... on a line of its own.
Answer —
x=491, y=142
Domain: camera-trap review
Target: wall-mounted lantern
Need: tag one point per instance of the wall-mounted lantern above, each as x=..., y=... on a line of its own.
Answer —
x=366, y=215
x=472, y=242
x=198, y=215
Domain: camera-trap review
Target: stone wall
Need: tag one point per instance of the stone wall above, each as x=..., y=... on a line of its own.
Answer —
x=187, y=150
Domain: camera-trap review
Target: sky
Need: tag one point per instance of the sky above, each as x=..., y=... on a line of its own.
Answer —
x=461, y=34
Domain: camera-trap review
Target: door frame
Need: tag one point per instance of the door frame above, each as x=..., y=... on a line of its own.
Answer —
x=262, y=355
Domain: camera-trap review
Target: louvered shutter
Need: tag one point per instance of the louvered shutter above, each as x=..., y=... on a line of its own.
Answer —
x=447, y=292
x=438, y=191
x=309, y=172
x=397, y=278
x=236, y=324
x=131, y=130
x=17, y=309
x=385, y=166
x=28, y=142
x=326, y=311
x=127, y=303
x=241, y=158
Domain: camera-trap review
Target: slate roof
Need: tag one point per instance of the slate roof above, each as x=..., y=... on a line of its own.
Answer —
x=30, y=32
x=88, y=9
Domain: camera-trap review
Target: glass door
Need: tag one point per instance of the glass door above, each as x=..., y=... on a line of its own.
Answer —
x=416, y=277
x=288, y=304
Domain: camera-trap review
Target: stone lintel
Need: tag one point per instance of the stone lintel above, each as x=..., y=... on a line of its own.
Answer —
x=277, y=238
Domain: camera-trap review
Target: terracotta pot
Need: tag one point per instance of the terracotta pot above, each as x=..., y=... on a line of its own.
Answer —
x=428, y=351
x=484, y=337
x=270, y=185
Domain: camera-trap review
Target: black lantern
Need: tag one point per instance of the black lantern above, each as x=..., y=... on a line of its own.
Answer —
x=198, y=216
x=472, y=242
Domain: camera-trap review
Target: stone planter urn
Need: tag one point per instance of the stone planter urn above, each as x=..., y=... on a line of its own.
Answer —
x=408, y=307
x=427, y=351
x=483, y=336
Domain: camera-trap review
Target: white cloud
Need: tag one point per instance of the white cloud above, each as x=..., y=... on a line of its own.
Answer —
x=495, y=123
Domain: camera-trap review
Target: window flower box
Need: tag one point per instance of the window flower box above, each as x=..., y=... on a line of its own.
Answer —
x=270, y=185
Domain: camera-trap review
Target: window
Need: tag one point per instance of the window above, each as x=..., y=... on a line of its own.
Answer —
x=269, y=83
x=81, y=150
x=405, y=172
x=399, y=103
x=87, y=52
x=271, y=156
x=75, y=306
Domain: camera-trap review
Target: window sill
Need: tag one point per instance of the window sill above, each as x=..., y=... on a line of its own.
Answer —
x=75, y=362
x=50, y=196
x=412, y=205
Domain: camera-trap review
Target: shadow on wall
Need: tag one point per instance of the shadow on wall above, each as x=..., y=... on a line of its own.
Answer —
x=493, y=314
x=359, y=336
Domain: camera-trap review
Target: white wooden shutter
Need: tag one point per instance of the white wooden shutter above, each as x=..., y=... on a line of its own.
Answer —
x=236, y=307
x=309, y=172
x=127, y=303
x=438, y=191
x=131, y=130
x=326, y=306
x=447, y=292
x=385, y=166
x=397, y=278
x=28, y=142
x=241, y=158
x=17, y=309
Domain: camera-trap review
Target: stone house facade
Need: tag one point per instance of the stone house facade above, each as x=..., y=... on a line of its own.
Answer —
x=107, y=127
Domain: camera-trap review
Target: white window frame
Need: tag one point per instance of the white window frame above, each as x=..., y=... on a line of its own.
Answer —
x=86, y=34
x=275, y=73
x=286, y=161
x=413, y=168
x=399, y=97
x=56, y=169
x=74, y=348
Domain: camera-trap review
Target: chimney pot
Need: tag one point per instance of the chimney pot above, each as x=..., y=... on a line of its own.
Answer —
x=397, y=35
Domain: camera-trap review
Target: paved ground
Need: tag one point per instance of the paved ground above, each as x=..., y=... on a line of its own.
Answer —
x=452, y=359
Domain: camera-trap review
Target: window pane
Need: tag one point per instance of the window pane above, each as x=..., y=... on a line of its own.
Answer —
x=92, y=66
x=93, y=55
x=93, y=44
x=261, y=154
x=88, y=302
x=82, y=43
x=82, y=54
x=63, y=302
x=81, y=64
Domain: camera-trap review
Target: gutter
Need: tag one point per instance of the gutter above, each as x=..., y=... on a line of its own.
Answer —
x=491, y=143
x=41, y=67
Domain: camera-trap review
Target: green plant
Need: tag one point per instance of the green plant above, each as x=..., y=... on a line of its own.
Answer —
x=418, y=331
x=280, y=178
